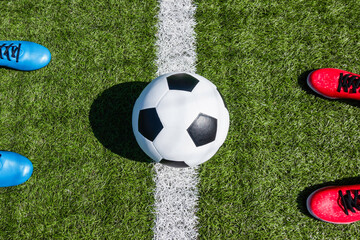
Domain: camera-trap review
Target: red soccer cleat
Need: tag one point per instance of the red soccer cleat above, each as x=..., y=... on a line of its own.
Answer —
x=335, y=83
x=335, y=204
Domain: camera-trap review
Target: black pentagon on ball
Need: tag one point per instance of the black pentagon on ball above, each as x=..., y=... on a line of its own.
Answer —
x=182, y=82
x=176, y=164
x=203, y=129
x=149, y=123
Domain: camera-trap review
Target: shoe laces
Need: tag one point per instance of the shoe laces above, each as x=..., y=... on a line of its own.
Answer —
x=350, y=202
x=9, y=51
x=348, y=80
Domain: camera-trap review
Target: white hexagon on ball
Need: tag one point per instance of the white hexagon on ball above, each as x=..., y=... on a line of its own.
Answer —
x=180, y=119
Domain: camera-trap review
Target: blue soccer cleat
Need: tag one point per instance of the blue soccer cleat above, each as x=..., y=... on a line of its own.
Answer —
x=14, y=169
x=23, y=55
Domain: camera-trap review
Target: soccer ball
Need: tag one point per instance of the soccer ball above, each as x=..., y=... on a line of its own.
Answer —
x=180, y=119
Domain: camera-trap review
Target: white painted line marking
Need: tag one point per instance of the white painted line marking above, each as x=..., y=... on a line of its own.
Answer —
x=176, y=193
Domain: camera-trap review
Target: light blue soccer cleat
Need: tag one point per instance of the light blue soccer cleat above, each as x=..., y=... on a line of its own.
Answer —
x=15, y=169
x=23, y=55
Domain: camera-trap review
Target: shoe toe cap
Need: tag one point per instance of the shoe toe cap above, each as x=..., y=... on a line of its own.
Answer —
x=15, y=169
x=322, y=204
x=35, y=56
x=324, y=82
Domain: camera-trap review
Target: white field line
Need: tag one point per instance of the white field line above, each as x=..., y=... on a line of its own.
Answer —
x=176, y=193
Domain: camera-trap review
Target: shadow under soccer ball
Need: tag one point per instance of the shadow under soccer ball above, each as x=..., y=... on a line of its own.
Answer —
x=110, y=118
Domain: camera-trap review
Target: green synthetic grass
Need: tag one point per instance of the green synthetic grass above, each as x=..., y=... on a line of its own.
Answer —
x=284, y=141
x=87, y=183
x=72, y=119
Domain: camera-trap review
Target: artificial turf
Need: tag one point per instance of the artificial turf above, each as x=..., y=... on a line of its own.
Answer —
x=284, y=140
x=72, y=119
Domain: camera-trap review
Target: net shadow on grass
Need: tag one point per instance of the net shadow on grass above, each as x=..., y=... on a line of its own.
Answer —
x=303, y=195
x=302, y=81
x=110, y=118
